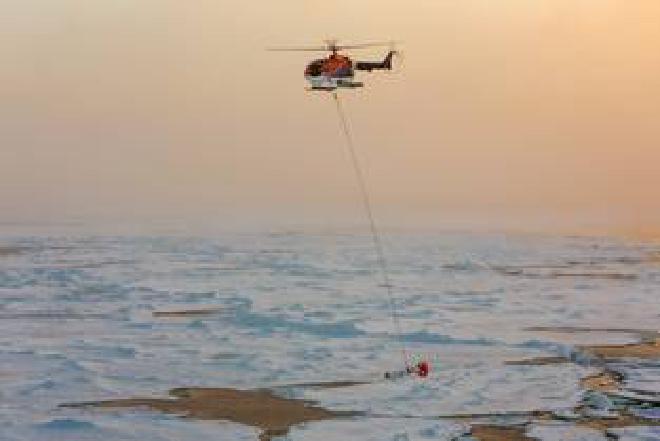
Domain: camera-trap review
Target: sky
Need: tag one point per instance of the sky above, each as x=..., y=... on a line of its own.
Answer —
x=503, y=114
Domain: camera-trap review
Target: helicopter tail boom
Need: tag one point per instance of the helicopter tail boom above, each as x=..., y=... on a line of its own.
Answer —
x=386, y=64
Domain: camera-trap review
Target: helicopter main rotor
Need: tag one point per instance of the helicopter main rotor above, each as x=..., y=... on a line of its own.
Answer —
x=330, y=46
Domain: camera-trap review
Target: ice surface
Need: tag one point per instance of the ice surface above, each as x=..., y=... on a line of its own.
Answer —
x=77, y=324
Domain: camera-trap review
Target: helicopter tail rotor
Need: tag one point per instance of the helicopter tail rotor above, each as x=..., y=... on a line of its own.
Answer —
x=396, y=58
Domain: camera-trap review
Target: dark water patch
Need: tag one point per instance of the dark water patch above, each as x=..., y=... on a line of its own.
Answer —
x=197, y=324
x=47, y=384
x=604, y=425
x=575, y=329
x=8, y=374
x=499, y=430
x=222, y=267
x=225, y=356
x=97, y=291
x=538, y=361
x=466, y=266
x=188, y=312
x=648, y=413
x=85, y=264
x=66, y=424
x=313, y=354
x=541, y=344
x=273, y=415
x=555, y=274
x=538, y=266
x=276, y=251
x=472, y=292
x=269, y=323
x=51, y=315
x=58, y=247
x=508, y=416
x=321, y=385
x=595, y=275
x=499, y=433
x=514, y=270
x=457, y=309
x=643, y=350
x=8, y=250
x=636, y=398
x=59, y=277
x=606, y=260
x=278, y=265
x=643, y=334
x=147, y=294
x=105, y=351
x=478, y=302
x=654, y=393
x=429, y=337
x=566, y=352
x=196, y=297
x=326, y=315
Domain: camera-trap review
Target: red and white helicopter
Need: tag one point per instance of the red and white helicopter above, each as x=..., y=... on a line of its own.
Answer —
x=336, y=70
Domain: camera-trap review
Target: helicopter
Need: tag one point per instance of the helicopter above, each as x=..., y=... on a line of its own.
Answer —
x=337, y=70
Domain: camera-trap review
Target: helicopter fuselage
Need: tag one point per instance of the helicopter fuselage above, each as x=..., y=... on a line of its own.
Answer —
x=337, y=71
x=331, y=73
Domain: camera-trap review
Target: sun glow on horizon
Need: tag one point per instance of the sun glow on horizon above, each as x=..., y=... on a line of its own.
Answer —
x=511, y=112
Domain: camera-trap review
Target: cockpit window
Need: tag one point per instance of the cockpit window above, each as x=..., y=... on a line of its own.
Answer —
x=315, y=68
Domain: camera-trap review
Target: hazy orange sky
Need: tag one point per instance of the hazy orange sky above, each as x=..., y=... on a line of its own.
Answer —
x=505, y=113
